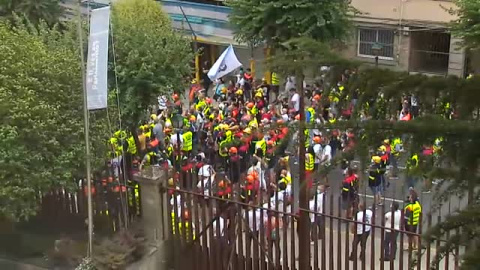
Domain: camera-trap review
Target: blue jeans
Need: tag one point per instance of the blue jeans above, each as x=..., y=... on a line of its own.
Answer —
x=411, y=181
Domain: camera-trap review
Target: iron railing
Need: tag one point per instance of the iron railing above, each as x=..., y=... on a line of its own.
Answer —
x=211, y=230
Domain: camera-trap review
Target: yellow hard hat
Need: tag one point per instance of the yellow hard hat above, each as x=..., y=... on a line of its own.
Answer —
x=376, y=159
x=260, y=95
x=248, y=130
x=153, y=117
x=239, y=92
x=382, y=148
x=386, y=141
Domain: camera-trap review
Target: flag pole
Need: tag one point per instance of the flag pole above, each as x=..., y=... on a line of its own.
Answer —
x=87, y=139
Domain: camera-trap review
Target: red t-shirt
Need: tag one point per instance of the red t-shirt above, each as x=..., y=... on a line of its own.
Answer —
x=260, y=104
x=350, y=179
x=187, y=167
x=243, y=148
x=267, y=116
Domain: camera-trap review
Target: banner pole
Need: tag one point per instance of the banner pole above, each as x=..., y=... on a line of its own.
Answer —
x=87, y=139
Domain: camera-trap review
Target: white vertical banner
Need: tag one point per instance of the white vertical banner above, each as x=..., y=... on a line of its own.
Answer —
x=97, y=61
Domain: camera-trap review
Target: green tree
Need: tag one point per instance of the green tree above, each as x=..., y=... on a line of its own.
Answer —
x=458, y=163
x=276, y=21
x=41, y=136
x=150, y=58
x=34, y=10
x=293, y=26
x=467, y=25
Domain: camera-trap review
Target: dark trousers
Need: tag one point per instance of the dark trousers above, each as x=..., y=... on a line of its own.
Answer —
x=362, y=239
x=390, y=245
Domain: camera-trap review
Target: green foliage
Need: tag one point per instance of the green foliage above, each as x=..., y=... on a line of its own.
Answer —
x=276, y=21
x=87, y=264
x=458, y=164
x=467, y=26
x=34, y=10
x=151, y=59
x=41, y=136
x=304, y=54
x=119, y=251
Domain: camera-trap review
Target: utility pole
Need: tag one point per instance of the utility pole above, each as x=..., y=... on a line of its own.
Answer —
x=303, y=222
x=87, y=139
x=195, y=46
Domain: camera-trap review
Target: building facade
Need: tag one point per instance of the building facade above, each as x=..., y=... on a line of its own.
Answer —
x=405, y=35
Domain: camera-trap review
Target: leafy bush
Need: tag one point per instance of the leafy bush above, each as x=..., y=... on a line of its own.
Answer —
x=87, y=264
x=124, y=248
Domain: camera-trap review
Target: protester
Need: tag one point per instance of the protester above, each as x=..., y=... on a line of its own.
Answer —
x=361, y=231
x=392, y=223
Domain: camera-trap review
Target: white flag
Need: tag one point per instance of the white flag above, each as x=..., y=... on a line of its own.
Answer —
x=226, y=63
x=97, y=61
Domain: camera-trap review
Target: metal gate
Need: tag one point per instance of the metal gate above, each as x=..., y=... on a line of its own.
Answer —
x=210, y=229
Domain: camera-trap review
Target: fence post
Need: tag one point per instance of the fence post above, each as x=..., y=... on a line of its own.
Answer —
x=155, y=217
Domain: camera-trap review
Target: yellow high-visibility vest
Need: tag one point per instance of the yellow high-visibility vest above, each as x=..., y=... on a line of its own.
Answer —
x=416, y=210
x=309, y=162
x=187, y=141
x=312, y=114
x=262, y=144
x=132, y=147
x=307, y=138
x=275, y=80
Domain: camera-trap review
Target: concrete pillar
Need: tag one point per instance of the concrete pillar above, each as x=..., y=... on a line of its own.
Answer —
x=154, y=206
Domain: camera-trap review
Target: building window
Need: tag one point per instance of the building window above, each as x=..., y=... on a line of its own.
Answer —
x=429, y=52
x=375, y=42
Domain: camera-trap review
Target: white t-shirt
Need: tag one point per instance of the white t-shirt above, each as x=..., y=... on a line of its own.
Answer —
x=254, y=218
x=116, y=164
x=319, y=206
x=327, y=153
x=179, y=205
x=221, y=225
x=413, y=101
x=397, y=216
x=261, y=175
x=241, y=81
x=317, y=149
x=173, y=140
x=162, y=102
x=206, y=184
x=206, y=170
x=296, y=101
x=290, y=83
x=368, y=220
x=282, y=196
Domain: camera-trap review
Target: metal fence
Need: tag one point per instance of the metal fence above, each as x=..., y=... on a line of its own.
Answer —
x=212, y=229
x=65, y=211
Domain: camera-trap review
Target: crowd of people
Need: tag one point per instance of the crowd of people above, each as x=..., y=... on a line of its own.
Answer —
x=239, y=138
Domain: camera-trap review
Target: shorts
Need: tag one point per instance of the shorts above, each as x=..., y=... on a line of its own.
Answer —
x=348, y=201
x=377, y=189
x=411, y=228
